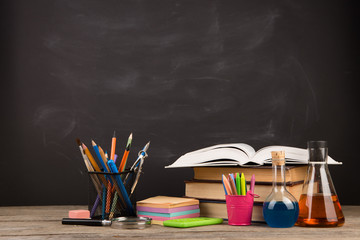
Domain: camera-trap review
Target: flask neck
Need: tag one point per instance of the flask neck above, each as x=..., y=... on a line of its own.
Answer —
x=279, y=181
x=318, y=154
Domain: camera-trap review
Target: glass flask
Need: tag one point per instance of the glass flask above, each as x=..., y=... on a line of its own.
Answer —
x=319, y=204
x=280, y=208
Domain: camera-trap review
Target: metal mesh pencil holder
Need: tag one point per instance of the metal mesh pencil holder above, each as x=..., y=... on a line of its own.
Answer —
x=107, y=198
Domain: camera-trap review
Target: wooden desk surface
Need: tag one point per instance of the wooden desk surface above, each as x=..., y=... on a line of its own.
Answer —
x=44, y=222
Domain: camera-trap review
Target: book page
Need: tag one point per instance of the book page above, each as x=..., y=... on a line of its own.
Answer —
x=293, y=155
x=214, y=156
x=250, y=151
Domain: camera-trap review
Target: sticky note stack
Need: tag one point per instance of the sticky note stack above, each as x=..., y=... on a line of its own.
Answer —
x=162, y=208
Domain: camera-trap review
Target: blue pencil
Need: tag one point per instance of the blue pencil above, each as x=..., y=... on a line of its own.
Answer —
x=97, y=151
x=121, y=186
x=226, y=193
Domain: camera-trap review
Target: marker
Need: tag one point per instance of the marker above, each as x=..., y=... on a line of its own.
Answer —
x=243, y=184
x=238, y=187
x=232, y=184
x=252, y=183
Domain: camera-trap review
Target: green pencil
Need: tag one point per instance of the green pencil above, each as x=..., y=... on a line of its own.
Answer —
x=238, y=187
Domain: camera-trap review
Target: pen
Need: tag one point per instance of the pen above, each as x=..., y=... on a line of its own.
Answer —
x=85, y=221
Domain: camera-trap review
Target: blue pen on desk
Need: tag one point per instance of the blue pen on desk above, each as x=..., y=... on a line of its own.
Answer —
x=120, y=185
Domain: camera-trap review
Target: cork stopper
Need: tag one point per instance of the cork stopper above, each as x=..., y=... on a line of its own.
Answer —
x=278, y=158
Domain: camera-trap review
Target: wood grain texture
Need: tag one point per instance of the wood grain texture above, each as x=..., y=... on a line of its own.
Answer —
x=44, y=222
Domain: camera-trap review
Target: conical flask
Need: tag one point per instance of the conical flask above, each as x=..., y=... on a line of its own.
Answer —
x=319, y=204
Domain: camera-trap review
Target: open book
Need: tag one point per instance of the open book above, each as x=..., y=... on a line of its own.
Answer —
x=240, y=154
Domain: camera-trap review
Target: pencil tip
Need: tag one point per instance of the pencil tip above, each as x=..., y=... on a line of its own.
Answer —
x=92, y=142
x=78, y=141
x=131, y=136
x=114, y=134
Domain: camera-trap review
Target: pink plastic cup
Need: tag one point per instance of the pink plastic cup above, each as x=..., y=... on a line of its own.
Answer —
x=239, y=209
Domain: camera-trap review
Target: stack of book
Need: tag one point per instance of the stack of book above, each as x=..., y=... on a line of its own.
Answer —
x=208, y=188
x=210, y=163
x=162, y=208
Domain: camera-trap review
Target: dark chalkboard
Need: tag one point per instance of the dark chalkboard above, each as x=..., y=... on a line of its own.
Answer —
x=181, y=74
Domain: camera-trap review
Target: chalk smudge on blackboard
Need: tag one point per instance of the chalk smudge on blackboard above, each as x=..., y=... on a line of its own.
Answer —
x=54, y=121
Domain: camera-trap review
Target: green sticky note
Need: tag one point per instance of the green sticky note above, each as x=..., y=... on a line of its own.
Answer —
x=192, y=222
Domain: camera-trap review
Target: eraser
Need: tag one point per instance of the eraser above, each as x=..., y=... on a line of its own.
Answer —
x=79, y=214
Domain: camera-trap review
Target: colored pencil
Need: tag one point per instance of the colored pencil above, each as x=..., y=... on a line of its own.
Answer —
x=110, y=185
x=232, y=184
x=93, y=163
x=100, y=156
x=121, y=169
x=90, y=168
x=120, y=186
x=126, y=154
x=113, y=146
x=227, y=185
